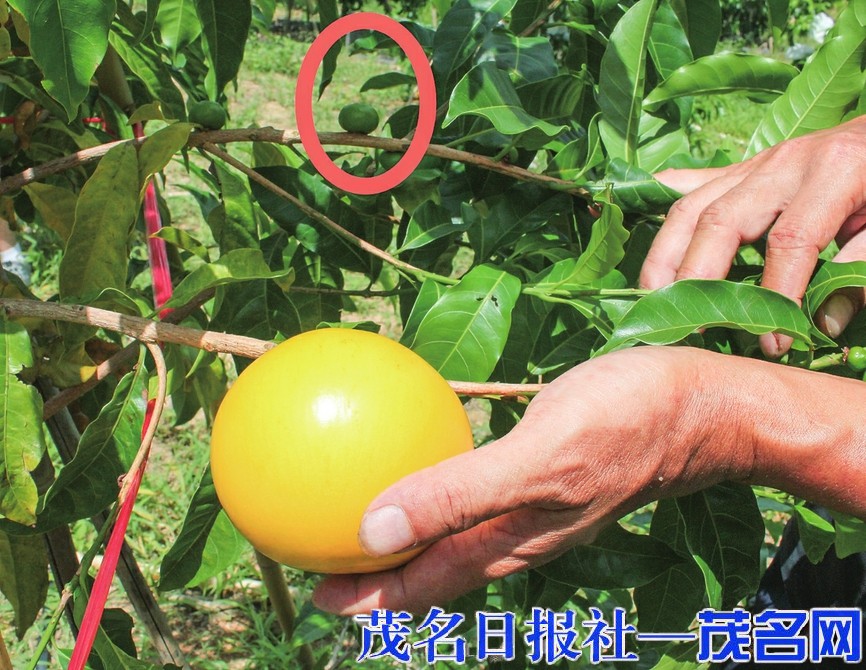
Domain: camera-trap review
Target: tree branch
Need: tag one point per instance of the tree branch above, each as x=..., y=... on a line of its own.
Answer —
x=149, y=331
x=291, y=137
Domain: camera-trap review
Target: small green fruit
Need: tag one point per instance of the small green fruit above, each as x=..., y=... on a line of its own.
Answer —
x=857, y=358
x=207, y=114
x=358, y=117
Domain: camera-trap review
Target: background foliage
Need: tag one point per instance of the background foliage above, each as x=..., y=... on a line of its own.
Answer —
x=588, y=97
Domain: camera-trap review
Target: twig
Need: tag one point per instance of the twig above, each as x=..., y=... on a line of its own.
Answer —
x=334, y=227
x=152, y=332
x=288, y=138
x=535, y=25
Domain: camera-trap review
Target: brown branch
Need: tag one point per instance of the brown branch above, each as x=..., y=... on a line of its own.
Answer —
x=148, y=331
x=120, y=362
x=143, y=330
x=291, y=137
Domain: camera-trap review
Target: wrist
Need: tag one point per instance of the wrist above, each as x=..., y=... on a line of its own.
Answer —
x=803, y=430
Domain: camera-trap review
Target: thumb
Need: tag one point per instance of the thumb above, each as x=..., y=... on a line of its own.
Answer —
x=450, y=497
x=837, y=311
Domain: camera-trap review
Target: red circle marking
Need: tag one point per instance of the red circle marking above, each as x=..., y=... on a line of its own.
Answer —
x=426, y=103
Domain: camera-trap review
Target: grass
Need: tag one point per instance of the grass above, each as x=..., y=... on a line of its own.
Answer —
x=226, y=623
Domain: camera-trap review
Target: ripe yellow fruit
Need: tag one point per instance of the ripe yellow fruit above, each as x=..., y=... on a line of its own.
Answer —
x=314, y=430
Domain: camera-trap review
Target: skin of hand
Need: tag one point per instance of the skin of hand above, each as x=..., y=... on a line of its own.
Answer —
x=806, y=191
x=605, y=438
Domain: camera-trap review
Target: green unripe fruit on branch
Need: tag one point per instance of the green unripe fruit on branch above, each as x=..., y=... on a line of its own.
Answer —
x=857, y=359
x=358, y=117
x=207, y=114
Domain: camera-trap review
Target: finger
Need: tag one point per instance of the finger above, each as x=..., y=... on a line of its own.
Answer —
x=740, y=215
x=801, y=232
x=669, y=246
x=453, y=495
x=458, y=564
x=837, y=311
x=687, y=180
x=853, y=225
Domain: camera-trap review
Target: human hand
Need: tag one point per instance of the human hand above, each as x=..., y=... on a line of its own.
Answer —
x=806, y=191
x=603, y=439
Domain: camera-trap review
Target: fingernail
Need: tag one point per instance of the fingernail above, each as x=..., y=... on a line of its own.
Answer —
x=386, y=531
x=838, y=312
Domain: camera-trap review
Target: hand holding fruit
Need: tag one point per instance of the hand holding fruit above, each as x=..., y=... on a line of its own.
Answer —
x=605, y=438
x=806, y=191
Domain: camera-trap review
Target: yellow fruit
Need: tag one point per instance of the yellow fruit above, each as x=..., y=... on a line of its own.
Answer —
x=315, y=429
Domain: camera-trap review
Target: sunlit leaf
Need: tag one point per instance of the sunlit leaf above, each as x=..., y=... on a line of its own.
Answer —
x=462, y=335
x=671, y=313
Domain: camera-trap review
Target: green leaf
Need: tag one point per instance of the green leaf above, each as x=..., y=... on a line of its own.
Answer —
x=674, y=312
x=328, y=13
x=816, y=533
x=311, y=625
x=617, y=559
x=552, y=99
x=183, y=240
x=158, y=149
x=68, y=39
x=604, y=251
x=458, y=36
x=526, y=58
x=850, y=535
x=668, y=45
x=22, y=76
x=88, y=483
x=145, y=62
x=724, y=73
x=387, y=80
x=207, y=543
x=107, y=207
x=525, y=12
x=430, y=222
x=237, y=227
x=522, y=209
x=634, y=189
x=178, y=24
x=55, y=205
x=724, y=532
x=578, y=157
x=830, y=83
x=702, y=20
x=464, y=332
x=311, y=189
x=110, y=650
x=832, y=277
x=21, y=442
x=225, y=25
x=487, y=92
x=671, y=601
x=232, y=267
x=622, y=80
x=429, y=293
x=24, y=577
